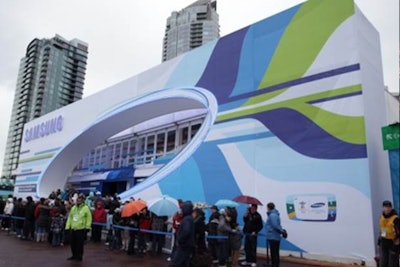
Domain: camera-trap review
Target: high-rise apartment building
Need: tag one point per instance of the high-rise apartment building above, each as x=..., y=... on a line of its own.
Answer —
x=191, y=27
x=51, y=75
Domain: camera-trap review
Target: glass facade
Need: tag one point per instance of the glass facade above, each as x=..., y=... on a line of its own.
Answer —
x=140, y=148
x=189, y=28
x=51, y=75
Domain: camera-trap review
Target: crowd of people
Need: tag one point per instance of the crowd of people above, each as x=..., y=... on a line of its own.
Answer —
x=71, y=218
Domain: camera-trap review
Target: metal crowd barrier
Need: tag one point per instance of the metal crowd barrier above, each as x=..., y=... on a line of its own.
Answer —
x=136, y=229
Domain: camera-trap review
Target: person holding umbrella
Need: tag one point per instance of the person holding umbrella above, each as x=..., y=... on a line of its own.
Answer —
x=252, y=225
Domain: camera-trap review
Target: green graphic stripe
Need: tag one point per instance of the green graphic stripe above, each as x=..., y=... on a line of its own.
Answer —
x=43, y=156
x=350, y=129
x=303, y=39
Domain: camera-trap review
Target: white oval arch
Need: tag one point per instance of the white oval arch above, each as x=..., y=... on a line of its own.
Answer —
x=131, y=113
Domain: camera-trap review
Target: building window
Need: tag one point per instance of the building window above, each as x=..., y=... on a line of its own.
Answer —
x=150, y=148
x=160, y=150
x=171, y=140
x=184, y=135
x=194, y=129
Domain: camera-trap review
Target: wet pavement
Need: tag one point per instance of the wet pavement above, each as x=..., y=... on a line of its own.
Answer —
x=16, y=252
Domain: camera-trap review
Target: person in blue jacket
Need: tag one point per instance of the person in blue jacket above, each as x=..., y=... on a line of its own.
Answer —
x=273, y=233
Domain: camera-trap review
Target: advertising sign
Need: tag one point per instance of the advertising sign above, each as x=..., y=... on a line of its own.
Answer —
x=391, y=136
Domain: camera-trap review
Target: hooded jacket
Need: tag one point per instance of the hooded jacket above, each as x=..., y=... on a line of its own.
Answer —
x=185, y=234
x=8, y=209
x=79, y=218
x=273, y=225
x=99, y=214
x=89, y=199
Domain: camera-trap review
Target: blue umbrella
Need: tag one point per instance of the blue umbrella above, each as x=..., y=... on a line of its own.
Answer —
x=163, y=206
x=226, y=203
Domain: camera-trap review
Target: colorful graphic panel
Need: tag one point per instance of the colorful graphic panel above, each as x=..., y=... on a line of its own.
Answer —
x=286, y=122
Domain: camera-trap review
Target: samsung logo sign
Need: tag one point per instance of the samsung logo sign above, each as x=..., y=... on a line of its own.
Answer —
x=317, y=205
x=44, y=129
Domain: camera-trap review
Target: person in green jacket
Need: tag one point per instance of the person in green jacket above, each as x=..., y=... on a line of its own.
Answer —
x=79, y=222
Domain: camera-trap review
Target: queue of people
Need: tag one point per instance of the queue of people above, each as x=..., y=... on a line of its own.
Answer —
x=68, y=217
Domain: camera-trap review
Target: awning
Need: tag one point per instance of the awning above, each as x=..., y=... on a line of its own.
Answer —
x=97, y=176
x=114, y=175
x=122, y=174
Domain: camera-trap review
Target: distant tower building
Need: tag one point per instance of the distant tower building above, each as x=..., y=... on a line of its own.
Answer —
x=51, y=75
x=191, y=27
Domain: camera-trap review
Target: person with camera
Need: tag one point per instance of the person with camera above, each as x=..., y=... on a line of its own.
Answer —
x=274, y=231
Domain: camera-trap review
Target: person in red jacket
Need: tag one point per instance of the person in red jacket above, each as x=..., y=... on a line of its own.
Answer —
x=144, y=224
x=176, y=222
x=99, y=218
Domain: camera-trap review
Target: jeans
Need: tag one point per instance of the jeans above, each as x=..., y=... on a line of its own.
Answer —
x=29, y=229
x=389, y=254
x=223, y=252
x=182, y=257
x=56, y=239
x=213, y=247
x=109, y=221
x=142, y=245
x=250, y=247
x=131, y=243
x=274, y=248
x=174, y=246
x=96, y=233
x=158, y=242
x=77, y=242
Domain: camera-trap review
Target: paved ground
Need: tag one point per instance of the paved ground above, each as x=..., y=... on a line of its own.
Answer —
x=15, y=252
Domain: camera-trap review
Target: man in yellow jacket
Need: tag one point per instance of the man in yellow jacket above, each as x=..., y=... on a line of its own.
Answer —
x=79, y=221
x=389, y=239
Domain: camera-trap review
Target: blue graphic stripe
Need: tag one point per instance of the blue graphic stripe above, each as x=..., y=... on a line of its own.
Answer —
x=25, y=151
x=335, y=97
x=216, y=176
x=242, y=138
x=223, y=66
x=27, y=179
x=172, y=184
x=315, y=77
x=188, y=73
x=26, y=170
x=290, y=125
x=258, y=49
x=34, y=163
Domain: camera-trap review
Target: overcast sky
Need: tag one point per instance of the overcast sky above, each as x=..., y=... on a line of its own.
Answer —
x=125, y=36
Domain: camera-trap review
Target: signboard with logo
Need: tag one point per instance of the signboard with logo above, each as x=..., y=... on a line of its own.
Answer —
x=391, y=136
